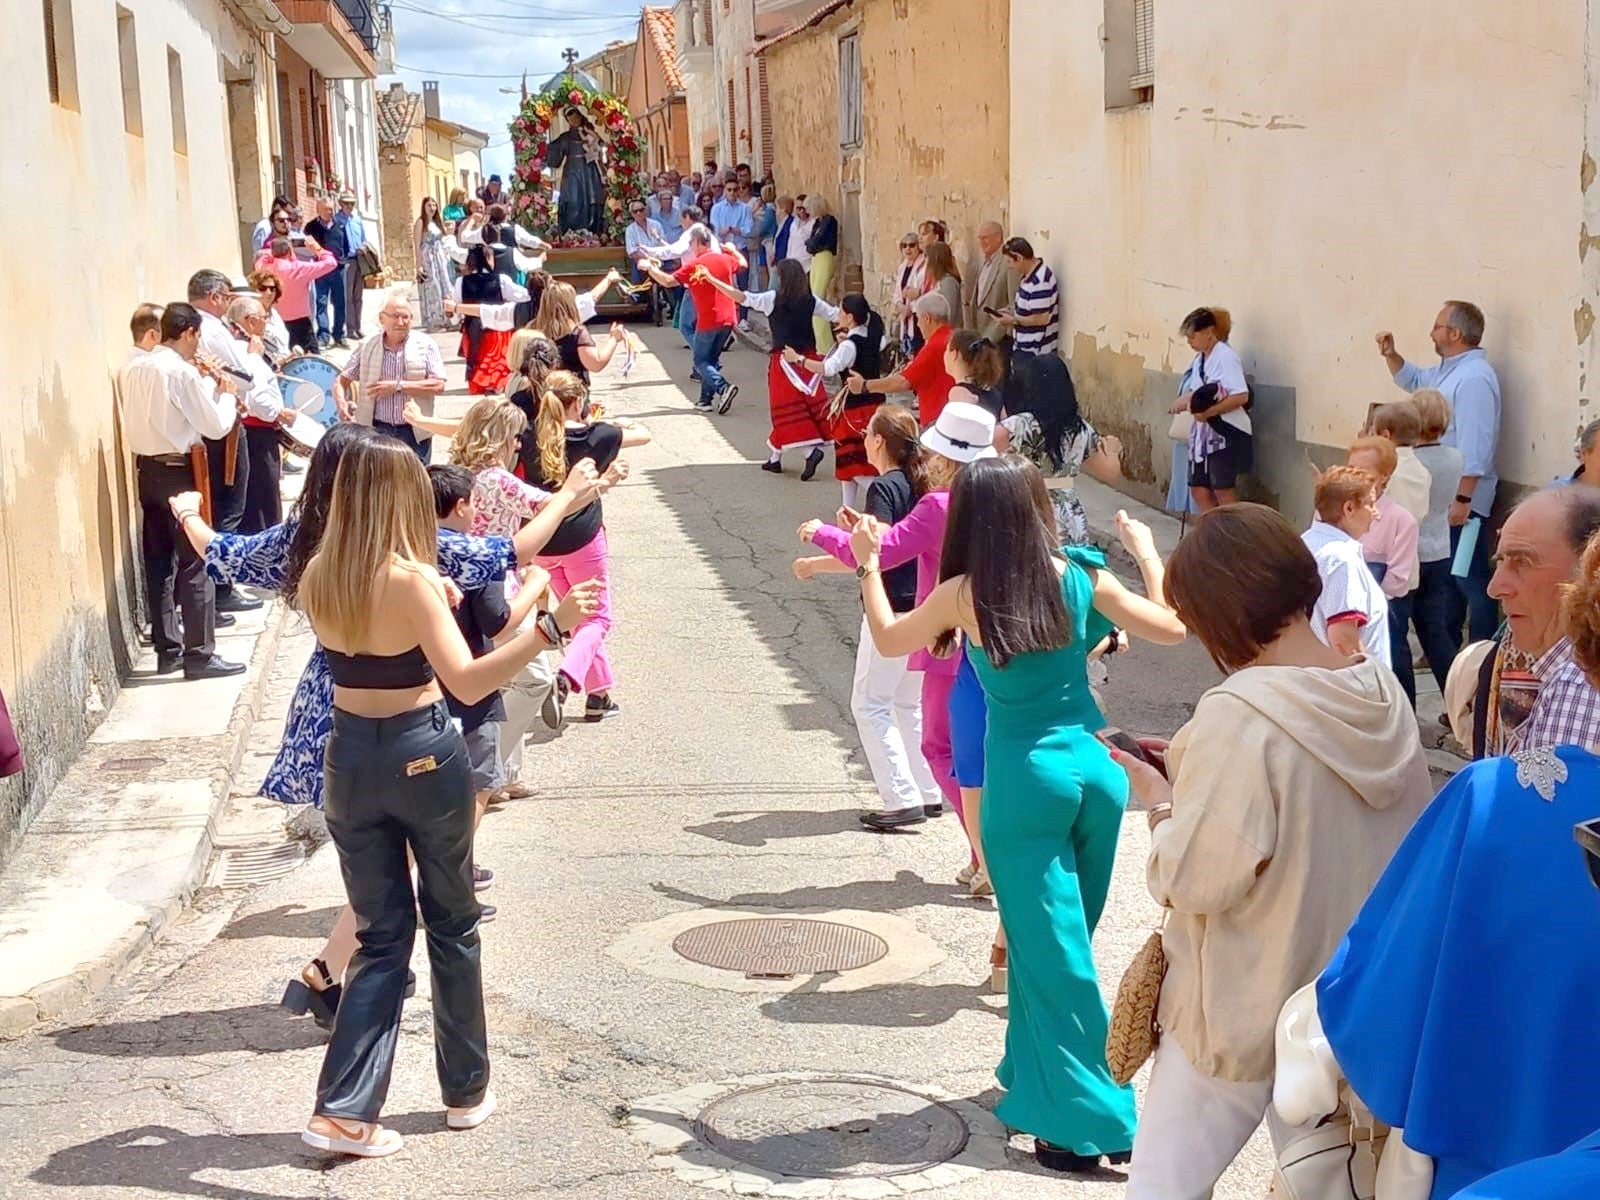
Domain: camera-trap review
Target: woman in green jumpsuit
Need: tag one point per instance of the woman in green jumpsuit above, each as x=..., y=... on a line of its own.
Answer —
x=1053, y=798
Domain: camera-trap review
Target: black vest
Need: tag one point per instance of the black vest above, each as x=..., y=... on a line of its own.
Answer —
x=869, y=355
x=481, y=287
x=791, y=326
x=502, y=239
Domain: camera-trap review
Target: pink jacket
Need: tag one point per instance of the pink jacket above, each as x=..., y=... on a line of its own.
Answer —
x=1392, y=540
x=298, y=275
x=919, y=536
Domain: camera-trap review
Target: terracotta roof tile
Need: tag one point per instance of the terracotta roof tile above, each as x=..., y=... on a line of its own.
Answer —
x=662, y=29
x=396, y=113
x=816, y=18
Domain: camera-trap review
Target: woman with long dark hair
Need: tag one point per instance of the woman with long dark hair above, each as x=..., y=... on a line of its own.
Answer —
x=795, y=395
x=484, y=346
x=1053, y=798
x=433, y=271
x=858, y=348
x=943, y=276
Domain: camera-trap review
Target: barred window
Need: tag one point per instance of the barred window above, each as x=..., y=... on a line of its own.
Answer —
x=850, y=90
x=1144, y=44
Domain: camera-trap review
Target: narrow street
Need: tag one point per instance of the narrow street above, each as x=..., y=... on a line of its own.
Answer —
x=731, y=783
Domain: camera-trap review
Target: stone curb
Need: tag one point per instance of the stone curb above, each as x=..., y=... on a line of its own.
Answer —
x=56, y=998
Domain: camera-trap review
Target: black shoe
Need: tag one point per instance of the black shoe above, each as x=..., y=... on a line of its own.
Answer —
x=813, y=461
x=726, y=397
x=704, y=405
x=290, y=467
x=342, y=343
x=300, y=997
x=482, y=879
x=598, y=708
x=1120, y=1159
x=212, y=668
x=887, y=822
x=933, y=810
x=237, y=602
x=694, y=376
x=486, y=913
x=224, y=620
x=774, y=465
x=166, y=664
x=1054, y=1158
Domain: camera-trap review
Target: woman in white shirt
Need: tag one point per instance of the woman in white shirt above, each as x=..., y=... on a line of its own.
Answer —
x=1221, y=444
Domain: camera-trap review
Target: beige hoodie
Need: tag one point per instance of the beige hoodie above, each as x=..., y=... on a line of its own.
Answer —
x=1292, y=786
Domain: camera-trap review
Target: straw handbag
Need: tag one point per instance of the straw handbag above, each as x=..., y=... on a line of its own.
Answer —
x=1133, y=1032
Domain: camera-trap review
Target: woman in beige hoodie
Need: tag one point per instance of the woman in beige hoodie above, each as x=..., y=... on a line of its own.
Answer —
x=1291, y=787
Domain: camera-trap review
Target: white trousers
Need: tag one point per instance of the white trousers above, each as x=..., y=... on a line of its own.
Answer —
x=1193, y=1126
x=523, y=697
x=887, y=702
x=854, y=491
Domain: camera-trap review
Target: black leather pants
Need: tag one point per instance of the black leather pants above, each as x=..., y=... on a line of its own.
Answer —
x=394, y=782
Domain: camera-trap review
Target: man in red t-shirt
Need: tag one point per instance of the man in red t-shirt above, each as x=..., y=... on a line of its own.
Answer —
x=925, y=374
x=715, y=313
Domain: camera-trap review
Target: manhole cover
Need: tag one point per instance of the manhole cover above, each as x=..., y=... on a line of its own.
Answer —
x=832, y=1129
x=778, y=946
x=258, y=864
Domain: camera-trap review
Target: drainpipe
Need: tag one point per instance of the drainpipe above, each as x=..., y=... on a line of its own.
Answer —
x=266, y=16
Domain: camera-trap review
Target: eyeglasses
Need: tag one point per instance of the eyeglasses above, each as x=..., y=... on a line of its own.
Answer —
x=908, y=245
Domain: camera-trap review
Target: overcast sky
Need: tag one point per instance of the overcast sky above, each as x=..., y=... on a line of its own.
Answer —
x=488, y=45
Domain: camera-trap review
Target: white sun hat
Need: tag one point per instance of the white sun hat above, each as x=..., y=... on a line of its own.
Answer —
x=964, y=432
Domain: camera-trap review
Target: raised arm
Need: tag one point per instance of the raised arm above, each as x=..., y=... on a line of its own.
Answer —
x=897, y=636
x=576, y=492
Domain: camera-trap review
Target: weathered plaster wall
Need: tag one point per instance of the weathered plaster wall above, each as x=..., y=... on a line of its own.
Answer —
x=1322, y=183
x=67, y=593
x=936, y=115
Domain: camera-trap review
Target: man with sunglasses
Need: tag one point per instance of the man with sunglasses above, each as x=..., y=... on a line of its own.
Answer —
x=264, y=227
x=641, y=235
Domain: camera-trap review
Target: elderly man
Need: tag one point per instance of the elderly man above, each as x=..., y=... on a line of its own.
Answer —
x=1473, y=390
x=993, y=288
x=1538, y=551
x=665, y=207
x=392, y=367
x=264, y=414
x=167, y=408
x=330, y=288
x=355, y=237
x=925, y=374
x=715, y=313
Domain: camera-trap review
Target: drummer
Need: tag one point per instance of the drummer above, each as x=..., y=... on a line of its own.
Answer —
x=265, y=413
x=392, y=367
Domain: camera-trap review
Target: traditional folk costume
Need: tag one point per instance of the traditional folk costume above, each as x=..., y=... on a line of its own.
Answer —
x=863, y=354
x=485, y=348
x=796, y=397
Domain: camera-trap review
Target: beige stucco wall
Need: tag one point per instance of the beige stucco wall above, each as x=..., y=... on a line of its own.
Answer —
x=130, y=220
x=1323, y=175
x=935, y=139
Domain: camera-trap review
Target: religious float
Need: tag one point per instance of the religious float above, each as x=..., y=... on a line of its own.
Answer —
x=578, y=163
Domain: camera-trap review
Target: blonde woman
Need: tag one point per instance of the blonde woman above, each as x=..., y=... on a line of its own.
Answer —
x=823, y=245
x=578, y=551
x=559, y=320
x=398, y=780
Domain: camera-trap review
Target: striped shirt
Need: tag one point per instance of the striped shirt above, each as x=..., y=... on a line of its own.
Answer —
x=1037, y=294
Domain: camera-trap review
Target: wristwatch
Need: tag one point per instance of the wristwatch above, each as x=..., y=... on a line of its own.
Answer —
x=1463, y=499
x=862, y=571
x=545, y=621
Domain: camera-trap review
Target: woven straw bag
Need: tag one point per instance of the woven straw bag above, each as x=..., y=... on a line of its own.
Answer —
x=1133, y=1033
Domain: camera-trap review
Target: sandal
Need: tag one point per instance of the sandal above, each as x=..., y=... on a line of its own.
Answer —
x=314, y=992
x=997, y=970
x=471, y=1116
x=359, y=1139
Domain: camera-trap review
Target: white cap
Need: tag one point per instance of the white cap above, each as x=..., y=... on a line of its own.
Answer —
x=964, y=432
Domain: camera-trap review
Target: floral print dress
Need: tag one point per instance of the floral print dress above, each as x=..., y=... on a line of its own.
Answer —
x=434, y=282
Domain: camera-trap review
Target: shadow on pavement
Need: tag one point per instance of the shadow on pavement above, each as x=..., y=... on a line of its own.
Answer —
x=775, y=825
x=286, y=921
x=906, y=890
x=260, y=1028
x=164, y=1161
x=904, y=1006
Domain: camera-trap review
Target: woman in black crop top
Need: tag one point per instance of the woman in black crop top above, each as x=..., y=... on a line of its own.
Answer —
x=560, y=321
x=978, y=368
x=578, y=550
x=397, y=779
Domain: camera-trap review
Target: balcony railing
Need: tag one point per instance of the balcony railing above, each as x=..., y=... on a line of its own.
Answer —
x=367, y=19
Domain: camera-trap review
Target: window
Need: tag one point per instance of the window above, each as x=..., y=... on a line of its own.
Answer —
x=180, y=123
x=765, y=124
x=850, y=90
x=1129, y=43
x=128, y=59
x=60, y=55
x=730, y=146
x=1144, y=45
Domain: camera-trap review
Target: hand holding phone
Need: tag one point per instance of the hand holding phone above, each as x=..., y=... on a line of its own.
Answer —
x=992, y=311
x=1116, y=739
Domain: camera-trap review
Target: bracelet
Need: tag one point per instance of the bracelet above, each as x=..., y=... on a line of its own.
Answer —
x=1460, y=499
x=1148, y=558
x=185, y=517
x=1159, y=810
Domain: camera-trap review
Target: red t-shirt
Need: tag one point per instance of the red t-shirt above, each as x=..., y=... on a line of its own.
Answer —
x=927, y=376
x=712, y=310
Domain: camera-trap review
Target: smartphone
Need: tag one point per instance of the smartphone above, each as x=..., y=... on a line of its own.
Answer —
x=993, y=312
x=1129, y=745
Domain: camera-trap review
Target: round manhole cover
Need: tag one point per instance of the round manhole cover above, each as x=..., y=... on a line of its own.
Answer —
x=832, y=1129
x=780, y=947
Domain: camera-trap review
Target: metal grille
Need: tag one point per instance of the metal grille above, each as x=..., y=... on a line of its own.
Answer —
x=850, y=90
x=778, y=947
x=257, y=864
x=832, y=1129
x=1144, y=44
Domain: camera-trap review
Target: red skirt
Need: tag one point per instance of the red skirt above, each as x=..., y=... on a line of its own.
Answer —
x=489, y=374
x=798, y=419
x=849, y=437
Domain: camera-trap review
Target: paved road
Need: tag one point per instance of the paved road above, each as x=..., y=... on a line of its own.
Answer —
x=732, y=779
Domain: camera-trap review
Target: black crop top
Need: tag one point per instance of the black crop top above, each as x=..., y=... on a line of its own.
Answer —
x=410, y=668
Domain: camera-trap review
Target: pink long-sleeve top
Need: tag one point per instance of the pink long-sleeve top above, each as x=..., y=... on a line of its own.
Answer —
x=919, y=536
x=1392, y=540
x=298, y=275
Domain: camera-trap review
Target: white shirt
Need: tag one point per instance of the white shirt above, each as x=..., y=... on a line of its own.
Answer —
x=639, y=238
x=504, y=316
x=799, y=234
x=1223, y=368
x=474, y=237
x=167, y=405
x=1348, y=589
x=217, y=340
x=843, y=355
x=763, y=302
x=679, y=248
x=263, y=399
x=510, y=290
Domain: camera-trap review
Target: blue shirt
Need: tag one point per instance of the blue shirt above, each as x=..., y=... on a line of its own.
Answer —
x=355, y=233
x=730, y=214
x=1473, y=390
x=671, y=218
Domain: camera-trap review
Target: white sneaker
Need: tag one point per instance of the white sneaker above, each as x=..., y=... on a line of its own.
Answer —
x=471, y=1118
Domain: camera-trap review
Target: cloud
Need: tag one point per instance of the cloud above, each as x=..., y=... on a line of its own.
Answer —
x=488, y=45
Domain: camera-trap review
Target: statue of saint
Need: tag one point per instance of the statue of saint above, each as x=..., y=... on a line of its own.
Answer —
x=579, y=154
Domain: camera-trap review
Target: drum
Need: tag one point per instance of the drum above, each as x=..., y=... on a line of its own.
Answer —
x=314, y=369
x=301, y=395
x=303, y=433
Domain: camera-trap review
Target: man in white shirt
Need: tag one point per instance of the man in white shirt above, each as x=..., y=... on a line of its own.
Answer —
x=1352, y=614
x=641, y=235
x=210, y=292
x=168, y=407
x=264, y=414
x=800, y=233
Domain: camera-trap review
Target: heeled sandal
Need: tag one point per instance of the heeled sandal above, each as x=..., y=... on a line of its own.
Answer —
x=359, y=1139
x=316, y=992
x=997, y=970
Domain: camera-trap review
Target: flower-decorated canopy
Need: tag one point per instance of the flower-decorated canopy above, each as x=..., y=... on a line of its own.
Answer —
x=531, y=132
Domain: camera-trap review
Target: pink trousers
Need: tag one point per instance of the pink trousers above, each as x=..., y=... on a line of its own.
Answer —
x=586, y=664
x=936, y=736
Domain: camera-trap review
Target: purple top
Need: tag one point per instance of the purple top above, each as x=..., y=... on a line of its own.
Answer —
x=921, y=537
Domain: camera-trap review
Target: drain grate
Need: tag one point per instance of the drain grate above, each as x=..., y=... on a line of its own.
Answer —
x=146, y=763
x=253, y=865
x=833, y=1129
x=779, y=947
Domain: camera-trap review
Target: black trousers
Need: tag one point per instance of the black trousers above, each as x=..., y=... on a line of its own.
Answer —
x=354, y=283
x=303, y=335
x=172, y=569
x=227, y=500
x=263, y=504
x=394, y=782
x=408, y=435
